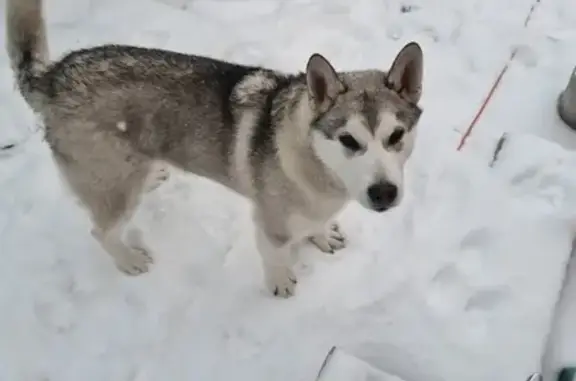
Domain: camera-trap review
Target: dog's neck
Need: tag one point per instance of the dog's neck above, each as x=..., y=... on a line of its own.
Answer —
x=299, y=160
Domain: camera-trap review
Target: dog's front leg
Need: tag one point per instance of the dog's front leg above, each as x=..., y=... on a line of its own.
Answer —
x=329, y=239
x=275, y=248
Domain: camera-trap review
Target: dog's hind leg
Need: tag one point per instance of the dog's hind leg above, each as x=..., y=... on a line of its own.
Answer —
x=111, y=212
x=111, y=192
x=133, y=259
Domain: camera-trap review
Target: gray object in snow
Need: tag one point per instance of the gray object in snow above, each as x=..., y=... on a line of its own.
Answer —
x=534, y=377
x=566, y=105
x=340, y=366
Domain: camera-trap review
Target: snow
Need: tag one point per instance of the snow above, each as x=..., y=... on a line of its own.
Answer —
x=461, y=281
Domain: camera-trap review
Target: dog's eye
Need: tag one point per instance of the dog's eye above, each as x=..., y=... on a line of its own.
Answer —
x=395, y=137
x=349, y=142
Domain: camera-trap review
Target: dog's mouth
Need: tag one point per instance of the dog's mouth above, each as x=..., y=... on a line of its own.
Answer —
x=377, y=208
x=381, y=209
x=384, y=208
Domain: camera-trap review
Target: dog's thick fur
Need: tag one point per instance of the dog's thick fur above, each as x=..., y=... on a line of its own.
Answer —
x=299, y=146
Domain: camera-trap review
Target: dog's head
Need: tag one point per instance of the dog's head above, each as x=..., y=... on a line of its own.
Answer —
x=364, y=124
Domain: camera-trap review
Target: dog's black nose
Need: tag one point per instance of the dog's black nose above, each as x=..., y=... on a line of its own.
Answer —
x=382, y=195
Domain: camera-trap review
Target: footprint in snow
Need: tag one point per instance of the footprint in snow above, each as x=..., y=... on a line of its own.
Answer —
x=526, y=55
x=485, y=300
x=448, y=290
x=452, y=288
x=529, y=174
x=476, y=238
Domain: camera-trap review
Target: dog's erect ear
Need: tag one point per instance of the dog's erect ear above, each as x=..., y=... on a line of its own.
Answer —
x=405, y=74
x=322, y=81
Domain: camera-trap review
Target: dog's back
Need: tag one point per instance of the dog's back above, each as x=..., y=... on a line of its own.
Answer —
x=164, y=102
x=174, y=107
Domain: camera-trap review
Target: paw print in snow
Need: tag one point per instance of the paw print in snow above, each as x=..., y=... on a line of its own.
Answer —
x=526, y=55
x=453, y=290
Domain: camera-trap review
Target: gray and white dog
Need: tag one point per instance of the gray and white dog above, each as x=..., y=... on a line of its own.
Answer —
x=299, y=146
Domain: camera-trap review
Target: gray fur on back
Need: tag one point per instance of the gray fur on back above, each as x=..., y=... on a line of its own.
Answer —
x=169, y=101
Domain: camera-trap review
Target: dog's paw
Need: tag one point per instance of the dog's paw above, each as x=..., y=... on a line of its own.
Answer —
x=281, y=281
x=134, y=261
x=330, y=241
x=157, y=177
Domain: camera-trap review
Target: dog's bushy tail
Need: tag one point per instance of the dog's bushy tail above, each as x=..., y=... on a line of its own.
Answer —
x=27, y=47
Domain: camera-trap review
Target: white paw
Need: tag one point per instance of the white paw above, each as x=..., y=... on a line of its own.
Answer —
x=134, y=261
x=281, y=281
x=156, y=178
x=330, y=241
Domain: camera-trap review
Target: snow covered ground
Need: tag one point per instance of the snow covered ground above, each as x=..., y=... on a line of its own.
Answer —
x=460, y=282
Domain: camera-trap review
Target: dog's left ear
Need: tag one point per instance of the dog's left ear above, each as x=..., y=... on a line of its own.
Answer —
x=322, y=81
x=405, y=74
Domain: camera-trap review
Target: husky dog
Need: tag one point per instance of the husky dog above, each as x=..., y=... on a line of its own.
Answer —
x=299, y=146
